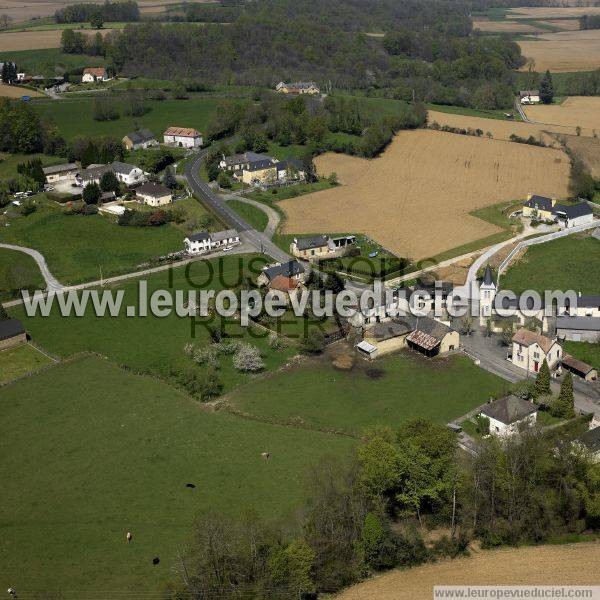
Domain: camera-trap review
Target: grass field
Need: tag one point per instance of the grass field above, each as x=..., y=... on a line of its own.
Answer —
x=416, y=198
x=588, y=353
x=51, y=61
x=18, y=271
x=315, y=394
x=19, y=361
x=576, y=111
x=73, y=116
x=9, y=162
x=155, y=344
x=568, y=564
x=76, y=247
x=93, y=452
x=563, y=51
x=436, y=109
x=570, y=263
x=256, y=217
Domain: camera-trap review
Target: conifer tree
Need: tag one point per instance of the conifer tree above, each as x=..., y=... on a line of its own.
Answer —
x=542, y=382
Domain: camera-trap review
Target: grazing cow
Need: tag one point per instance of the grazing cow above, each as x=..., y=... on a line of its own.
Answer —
x=266, y=455
x=190, y=485
x=155, y=560
x=128, y=536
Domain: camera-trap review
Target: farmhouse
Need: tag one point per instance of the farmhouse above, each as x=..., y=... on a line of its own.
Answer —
x=64, y=172
x=298, y=87
x=12, y=333
x=579, y=368
x=262, y=172
x=292, y=269
x=578, y=329
x=530, y=349
x=529, y=96
x=566, y=215
x=509, y=415
x=201, y=242
x=285, y=285
x=93, y=74
x=310, y=247
x=423, y=334
x=92, y=174
x=153, y=194
x=142, y=138
x=185, y=137
x=239, y=162
x=128, y=174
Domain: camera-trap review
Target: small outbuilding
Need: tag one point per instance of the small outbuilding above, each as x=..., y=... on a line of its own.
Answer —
x=64, y=172
x=12, y=333
x=366, y=349
x=579, y=368
x=142, y=138
x=509, y=415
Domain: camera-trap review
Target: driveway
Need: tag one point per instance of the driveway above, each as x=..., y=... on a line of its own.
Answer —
x=52, y=284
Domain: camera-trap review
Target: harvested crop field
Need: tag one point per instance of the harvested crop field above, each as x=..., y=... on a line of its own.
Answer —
x=14, y=91
x=588, y=149
x=571, y=564
x=564, y=24
x=557, y=12
x=563, y=51
x=500, y=130
x=582, y=111
x=416, y=198
x=35, y=40
x=488, y=26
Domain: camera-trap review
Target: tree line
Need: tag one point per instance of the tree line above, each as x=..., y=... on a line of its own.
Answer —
x=125, y=10
x=369, y=513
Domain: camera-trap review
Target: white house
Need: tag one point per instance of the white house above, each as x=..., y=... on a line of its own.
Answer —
x=573, y=215
x=530, y=349
x=154, y=194
x=509, y=415
x=529, y=96
x=290, y=170
x=587, y=306
x=64, y=172
x=185, y=137
x=239, y=162
x=201, y=242
x=128, y=174
x=93, y=74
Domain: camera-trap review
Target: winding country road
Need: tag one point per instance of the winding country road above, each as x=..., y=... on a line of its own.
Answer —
x=52, y=284
x=202, y=190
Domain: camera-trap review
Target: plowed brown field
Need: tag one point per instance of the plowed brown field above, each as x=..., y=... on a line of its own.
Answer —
x=563, y=51
x=504, y=26
x=36, y=40
x=415, y=199
x=582, y=111
x=572, y=564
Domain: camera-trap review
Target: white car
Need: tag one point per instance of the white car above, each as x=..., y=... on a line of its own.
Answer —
x=227, y=248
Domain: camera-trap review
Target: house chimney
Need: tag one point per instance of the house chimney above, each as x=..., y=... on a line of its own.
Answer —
x=529, y=196
x=553, y=201
x=579, y=294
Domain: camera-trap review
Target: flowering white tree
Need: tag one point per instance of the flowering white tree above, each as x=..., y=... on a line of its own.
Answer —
x=248, y=358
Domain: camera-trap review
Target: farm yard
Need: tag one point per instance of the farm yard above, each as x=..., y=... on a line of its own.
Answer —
x=113, y=453
x=316, y=394
x=576, y=111
x=570, y=263
x=416, y=198
x=567, y=564
x=563, y=51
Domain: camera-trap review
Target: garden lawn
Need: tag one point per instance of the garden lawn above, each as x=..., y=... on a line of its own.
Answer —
x=588, y=353
x=93, y=452
x=76, y=247
x=570, y=263
x=16, y=362
x=18, y=271
x=155, y=344
x=257, y=218
x=9, y=162
x=75, y=116
x=317, y=395
x=51, y=61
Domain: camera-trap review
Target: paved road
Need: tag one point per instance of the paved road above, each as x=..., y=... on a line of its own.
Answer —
x=52, y=284
x=492, y=357
x=258, y=240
